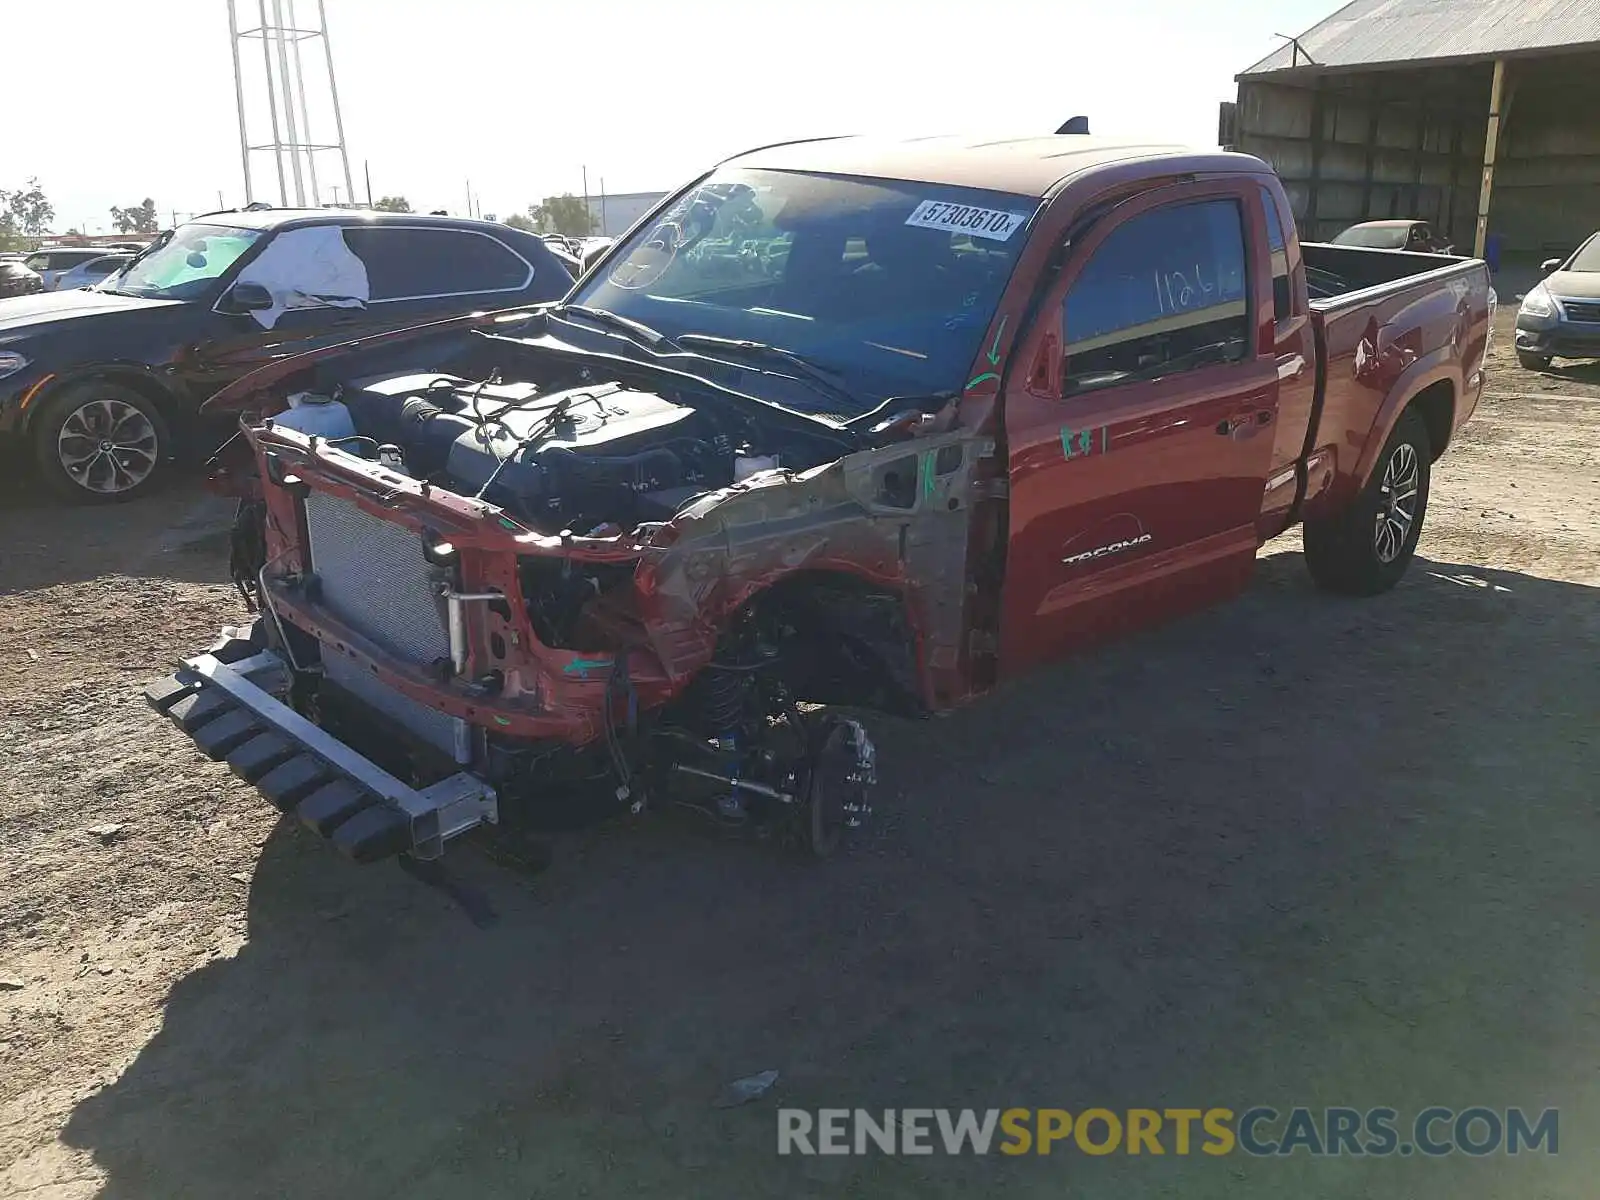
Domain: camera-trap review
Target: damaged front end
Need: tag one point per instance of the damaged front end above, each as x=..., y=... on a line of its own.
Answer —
x=532, y=588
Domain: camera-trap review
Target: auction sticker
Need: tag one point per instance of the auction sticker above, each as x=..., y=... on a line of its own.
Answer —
x=992, y=223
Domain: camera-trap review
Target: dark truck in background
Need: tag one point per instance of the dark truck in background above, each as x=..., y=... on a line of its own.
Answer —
x=842, y=423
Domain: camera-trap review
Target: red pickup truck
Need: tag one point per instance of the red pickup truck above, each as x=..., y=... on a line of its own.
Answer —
x=841, y=424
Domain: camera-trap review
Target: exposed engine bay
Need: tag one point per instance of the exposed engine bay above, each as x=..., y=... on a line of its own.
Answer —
x=650, y=587
x=592, y=459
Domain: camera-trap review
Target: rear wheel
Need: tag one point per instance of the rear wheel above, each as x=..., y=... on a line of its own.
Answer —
x=1366, y=548
x=99, y=443
x=1533, y=362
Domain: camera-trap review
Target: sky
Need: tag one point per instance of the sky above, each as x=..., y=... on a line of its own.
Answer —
x=518, y=97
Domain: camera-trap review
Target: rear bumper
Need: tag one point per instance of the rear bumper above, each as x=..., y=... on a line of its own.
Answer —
x=229, y=702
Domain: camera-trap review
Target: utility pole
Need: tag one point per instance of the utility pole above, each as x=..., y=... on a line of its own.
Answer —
x=366, y=165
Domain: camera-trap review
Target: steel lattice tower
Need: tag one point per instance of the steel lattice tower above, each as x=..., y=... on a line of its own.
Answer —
x=295, y=147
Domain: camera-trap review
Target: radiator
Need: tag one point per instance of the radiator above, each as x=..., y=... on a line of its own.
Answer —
x=374, y=578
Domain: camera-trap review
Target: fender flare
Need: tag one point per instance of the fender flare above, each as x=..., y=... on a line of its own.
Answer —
x=1439, y=367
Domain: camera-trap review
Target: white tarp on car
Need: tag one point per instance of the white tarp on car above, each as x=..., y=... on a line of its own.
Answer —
x=308, y=268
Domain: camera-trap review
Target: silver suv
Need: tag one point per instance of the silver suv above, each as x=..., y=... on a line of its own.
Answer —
x=51, y=265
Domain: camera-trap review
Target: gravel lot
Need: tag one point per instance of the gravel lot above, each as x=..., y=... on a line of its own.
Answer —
x=1295, y=850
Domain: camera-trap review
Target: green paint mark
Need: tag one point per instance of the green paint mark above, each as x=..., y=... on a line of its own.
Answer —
x=509, y=523
x=501, y=721
x=582, y=666
x=1079, y=443
x=927, y=473
x=981, y=378
x=994, y=350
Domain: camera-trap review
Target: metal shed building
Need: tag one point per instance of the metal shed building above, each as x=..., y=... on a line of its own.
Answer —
x=1481, y=116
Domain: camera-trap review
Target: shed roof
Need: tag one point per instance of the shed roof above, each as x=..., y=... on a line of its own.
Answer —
x=1375, y=33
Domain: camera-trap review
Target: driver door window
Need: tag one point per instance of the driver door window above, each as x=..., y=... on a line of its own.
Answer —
x=1165, y=293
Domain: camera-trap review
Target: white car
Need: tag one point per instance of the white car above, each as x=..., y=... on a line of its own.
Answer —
x=51, y=265
x=93, y=272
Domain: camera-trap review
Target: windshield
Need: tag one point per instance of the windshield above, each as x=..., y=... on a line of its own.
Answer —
x=889, y=285
x=1374, y=237
x=1588, y=256
x=187, y=266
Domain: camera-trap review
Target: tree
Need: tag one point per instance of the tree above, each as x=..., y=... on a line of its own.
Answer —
x=139, y=219
x=518, y=221
x=565, y=214
x=393, y=204
x=24, y=214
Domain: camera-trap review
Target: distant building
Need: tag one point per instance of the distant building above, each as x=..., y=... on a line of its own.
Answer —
x=615, y=214
x=1476, y=115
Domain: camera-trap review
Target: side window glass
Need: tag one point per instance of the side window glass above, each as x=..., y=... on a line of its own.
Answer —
x=1164, y=293
x=39, y=262
x=410, y=263
x=1282, y=293
x=482, y=263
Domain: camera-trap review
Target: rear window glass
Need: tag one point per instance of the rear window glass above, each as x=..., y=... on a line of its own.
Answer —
x=409, y=263
x=1282, y=293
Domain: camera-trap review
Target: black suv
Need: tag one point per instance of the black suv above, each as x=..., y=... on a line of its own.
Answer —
x=102, y=383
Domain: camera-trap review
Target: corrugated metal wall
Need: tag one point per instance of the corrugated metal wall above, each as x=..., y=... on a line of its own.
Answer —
x=1410, y=144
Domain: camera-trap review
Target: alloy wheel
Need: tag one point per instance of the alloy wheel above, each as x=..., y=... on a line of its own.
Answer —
x=107, y=446
x=1397, y=503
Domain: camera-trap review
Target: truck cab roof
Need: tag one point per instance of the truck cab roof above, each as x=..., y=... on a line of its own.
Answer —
x=1027, y=166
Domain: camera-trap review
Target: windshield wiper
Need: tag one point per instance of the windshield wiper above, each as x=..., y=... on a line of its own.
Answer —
x=652, y=338
x=823, y=380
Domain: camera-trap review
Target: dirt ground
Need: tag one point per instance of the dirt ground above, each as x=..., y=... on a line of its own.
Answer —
x=1296, y=850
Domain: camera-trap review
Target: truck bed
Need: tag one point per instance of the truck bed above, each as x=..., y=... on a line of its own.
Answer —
x=1336, y=274
x=1390, y=325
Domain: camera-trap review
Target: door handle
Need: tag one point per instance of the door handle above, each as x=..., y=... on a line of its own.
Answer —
x=1244, y=420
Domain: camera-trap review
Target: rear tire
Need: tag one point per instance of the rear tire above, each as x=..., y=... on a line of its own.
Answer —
x=101, y=443
x=1365, y=549
x=1533, y=362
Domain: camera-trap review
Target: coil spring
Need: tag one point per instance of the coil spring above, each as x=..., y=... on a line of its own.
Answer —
x=724, y=702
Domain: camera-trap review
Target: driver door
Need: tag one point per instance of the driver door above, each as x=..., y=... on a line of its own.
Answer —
x=232, y=340
x=1140, y=437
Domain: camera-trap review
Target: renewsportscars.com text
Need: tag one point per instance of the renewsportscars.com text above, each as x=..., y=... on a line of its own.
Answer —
x=1262, y=1131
